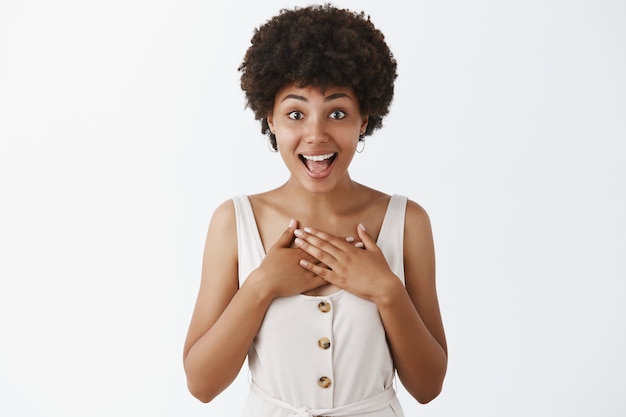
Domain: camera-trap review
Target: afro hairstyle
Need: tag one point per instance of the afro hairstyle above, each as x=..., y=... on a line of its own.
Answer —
x=320, y=46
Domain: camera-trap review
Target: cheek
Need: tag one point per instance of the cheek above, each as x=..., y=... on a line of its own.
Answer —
x=286, y=142
x=286, y=134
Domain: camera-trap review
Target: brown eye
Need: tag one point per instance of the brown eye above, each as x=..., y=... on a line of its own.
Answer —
x=337, y=115
x=295, y=115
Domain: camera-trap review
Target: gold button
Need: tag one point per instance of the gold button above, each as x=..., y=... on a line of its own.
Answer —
x=324, y=343
x=324, y=382
x=324, y=306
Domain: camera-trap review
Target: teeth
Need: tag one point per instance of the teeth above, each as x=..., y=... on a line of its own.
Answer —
x=318, y=158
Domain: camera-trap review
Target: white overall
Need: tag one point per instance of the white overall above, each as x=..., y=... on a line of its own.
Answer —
x=321, y=355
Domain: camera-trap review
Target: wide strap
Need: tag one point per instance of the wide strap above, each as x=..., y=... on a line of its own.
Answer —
x=249, y=245
x=391, y=236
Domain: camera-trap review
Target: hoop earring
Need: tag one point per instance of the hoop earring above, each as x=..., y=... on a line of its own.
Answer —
x=270, y=146
x=360, y=142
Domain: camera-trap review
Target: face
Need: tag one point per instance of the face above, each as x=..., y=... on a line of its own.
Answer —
x=317, y=133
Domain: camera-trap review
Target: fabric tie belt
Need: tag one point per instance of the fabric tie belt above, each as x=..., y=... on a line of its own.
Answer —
x=368, y=405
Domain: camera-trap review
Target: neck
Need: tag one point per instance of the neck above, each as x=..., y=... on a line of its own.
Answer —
x=339, y=199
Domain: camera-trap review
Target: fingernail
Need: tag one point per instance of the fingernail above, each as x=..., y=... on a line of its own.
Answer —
x=361, y=226
x=308, y=229
x=297, y=232
x=350, y=239
x=291, y=223
x=359, y=245
x=303, y=263
x=298, y=241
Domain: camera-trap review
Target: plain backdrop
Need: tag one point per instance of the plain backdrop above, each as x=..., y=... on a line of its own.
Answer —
x=123, y=126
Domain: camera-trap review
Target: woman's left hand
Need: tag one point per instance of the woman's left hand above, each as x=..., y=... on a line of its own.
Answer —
x=362, y=272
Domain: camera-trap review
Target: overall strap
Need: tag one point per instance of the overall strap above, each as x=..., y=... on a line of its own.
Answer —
x=391, y=236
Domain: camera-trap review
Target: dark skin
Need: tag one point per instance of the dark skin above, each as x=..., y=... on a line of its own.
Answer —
x=317, y=134
x=267, y=208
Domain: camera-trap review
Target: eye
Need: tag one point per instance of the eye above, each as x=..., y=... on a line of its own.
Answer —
x=337, y=115
x=295, y=115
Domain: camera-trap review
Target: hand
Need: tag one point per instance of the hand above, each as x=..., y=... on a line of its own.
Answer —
x=362, y=272
x=280, y=272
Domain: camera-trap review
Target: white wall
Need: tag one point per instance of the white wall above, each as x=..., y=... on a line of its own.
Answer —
x=122, y=127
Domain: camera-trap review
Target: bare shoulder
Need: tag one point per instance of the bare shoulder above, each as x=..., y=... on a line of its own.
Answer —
x=221, y=240
x=419, y=253
x=416, y=217
x=224, y=213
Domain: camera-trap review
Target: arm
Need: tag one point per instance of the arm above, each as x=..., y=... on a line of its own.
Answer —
x=226, y=319
x=410, y=314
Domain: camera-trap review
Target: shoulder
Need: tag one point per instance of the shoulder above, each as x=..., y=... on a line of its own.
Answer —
x=224, y=214
x=416, y=217
x=418, y=237
x=223, y=227
x=419, y=251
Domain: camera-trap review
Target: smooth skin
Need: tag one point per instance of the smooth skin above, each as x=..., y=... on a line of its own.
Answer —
x=331, y=246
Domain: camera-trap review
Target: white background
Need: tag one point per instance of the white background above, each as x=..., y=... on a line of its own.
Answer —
x=122, y=127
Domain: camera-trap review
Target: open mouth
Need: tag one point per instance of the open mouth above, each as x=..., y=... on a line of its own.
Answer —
x=318, y=163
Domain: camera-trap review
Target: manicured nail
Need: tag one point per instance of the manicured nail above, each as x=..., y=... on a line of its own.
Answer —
x=308, y=229
x=359, y=245
x=291, y=223
x=303, y=263
x=361, y=226
x=298, y=232
x=349, y=239
x=298, y=241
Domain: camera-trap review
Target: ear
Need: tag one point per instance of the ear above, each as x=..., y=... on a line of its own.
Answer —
x=270, y=122
x=364, y=123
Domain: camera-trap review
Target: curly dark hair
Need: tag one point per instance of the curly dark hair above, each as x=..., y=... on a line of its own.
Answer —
x=320, y=46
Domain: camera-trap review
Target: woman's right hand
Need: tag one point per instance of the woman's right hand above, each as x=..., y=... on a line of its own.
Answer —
x=280, y=273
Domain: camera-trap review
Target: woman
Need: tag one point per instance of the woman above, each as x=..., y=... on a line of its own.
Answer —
x=325, y=285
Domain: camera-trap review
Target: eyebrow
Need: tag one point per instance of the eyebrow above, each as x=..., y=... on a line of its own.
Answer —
x=326, y=99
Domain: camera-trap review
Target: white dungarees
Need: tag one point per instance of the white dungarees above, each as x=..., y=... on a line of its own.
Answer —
x=321, y=355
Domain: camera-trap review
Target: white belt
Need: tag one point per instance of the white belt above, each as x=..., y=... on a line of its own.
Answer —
x=368, y=405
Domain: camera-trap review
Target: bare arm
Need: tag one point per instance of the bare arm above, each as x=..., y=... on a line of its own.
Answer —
x=411, y=316
x=226, y=319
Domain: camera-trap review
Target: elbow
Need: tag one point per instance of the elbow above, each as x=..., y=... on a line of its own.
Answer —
x=206, y=386
x=206, y=383
x=425, y=388
x=426, y=396
x=201, y=392
x=200, y=387
x=423, y=393
x=431, y=388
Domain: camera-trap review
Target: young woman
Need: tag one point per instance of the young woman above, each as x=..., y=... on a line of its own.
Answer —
x=325, y=285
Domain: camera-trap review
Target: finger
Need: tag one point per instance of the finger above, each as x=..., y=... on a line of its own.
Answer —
x=318, y=248
x=330, y=238
x=359, y=245
x=368, y=241
x=286, y=238
x=325, y=241
x=321, y=271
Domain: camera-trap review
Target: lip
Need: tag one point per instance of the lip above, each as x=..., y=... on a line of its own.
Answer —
x=314, y=156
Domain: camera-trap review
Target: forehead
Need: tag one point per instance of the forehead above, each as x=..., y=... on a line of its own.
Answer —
x=293, y=90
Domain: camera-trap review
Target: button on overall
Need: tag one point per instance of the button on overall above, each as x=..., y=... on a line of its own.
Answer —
x=324, y=306
x=324, y=382
x=323, y=343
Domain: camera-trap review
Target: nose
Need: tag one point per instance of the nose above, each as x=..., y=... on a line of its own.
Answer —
x=316, y=131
